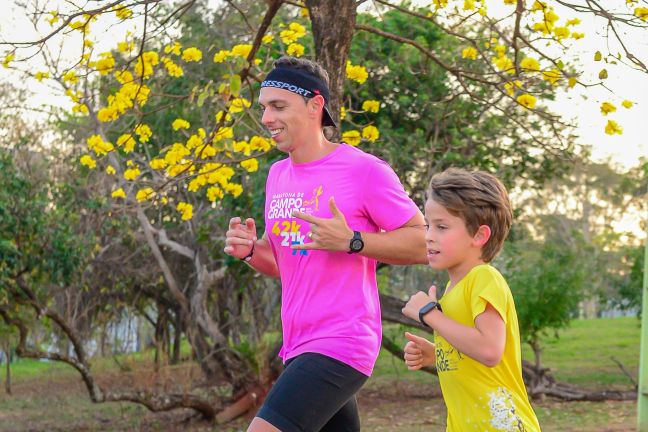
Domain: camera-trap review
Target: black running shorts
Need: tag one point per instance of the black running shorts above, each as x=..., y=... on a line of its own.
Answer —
x=315, y=393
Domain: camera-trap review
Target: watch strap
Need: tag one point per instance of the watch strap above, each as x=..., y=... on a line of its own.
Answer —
x=427, y=309
x=248, y=257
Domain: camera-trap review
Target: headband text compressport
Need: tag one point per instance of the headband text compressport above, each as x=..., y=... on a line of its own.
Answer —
x=301, y=83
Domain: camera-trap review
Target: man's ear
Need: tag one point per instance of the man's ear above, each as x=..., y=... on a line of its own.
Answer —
x=482, y=235
x=316, y=104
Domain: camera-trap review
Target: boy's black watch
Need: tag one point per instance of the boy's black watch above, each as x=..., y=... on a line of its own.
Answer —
x=356, y=244
x=426, y=309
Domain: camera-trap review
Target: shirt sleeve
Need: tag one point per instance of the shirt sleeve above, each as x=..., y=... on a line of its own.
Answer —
x=386, y=202
x=489, y=289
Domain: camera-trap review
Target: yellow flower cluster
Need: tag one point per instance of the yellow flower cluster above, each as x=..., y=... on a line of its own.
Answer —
x=53, y=17
x=186, y=209
x=144, y=132
x=174, y=48
x=294, y=32
x=80, y=109
x=125, y=46
x=40, y=76
x=192, y=54
x=88, y=161
x=238, y=105
x=173, y=69
x=145, y=64
x=127, y=142
x=613, y=127
x=526, y=100
x=221, y=56
x=356, y=73
x=180, y=124
x=607, y=107
x=501, y=61
x=145, y=194
x=242, y=50
x=371, y=105
x=295, y=49
x=530, y=64
x=70, y=77
x=118, y=193
x=553, y=76
x=250, y=165
x=511, y=86
x=351, y=137
x=106, y=63
x=469, y=5
x=124, y=98
x=370, y=133
x=469, y=53
x=641, y=13
x=132, y=173
x=122, y=12
x=99, y=146
x=258, y=143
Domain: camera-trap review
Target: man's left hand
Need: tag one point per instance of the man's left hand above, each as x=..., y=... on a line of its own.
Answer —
x=326, y=234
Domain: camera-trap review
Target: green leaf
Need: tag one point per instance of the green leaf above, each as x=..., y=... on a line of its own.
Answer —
x=603, y=74
x=598, y=56
x=201, y=98
x=235, y=85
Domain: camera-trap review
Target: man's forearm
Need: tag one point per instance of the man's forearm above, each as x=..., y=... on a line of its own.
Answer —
x=263, y=259
x=405, y=245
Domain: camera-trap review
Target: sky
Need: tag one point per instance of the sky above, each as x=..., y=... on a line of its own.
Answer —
x=580, y=105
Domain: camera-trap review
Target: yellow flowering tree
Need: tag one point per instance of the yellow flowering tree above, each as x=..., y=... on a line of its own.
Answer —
x=167, y=125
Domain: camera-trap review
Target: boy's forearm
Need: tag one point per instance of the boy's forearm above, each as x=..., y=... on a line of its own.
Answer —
x=467, y=340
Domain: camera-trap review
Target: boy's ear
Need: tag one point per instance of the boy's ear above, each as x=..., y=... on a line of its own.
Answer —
x=482, y=235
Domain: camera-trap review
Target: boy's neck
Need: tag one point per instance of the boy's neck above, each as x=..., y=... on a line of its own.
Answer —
x=458, y=272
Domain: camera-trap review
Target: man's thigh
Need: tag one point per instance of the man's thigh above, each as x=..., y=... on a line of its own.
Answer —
x=309, y=393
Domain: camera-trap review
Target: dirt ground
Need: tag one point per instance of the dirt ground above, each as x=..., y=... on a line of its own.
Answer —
x=62, y=404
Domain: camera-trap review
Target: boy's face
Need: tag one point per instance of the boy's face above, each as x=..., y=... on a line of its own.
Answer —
x=449, y=244
x=286, y=115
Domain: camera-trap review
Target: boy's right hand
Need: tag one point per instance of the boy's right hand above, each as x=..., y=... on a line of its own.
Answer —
x=240, y=238
x=419, y=352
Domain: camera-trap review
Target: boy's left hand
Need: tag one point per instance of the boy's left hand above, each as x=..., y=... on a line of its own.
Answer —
x=417, y=301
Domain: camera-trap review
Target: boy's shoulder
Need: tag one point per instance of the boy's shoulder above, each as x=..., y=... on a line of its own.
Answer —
x=486, y=275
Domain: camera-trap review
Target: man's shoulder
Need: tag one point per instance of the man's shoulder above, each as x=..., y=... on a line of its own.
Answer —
x=363, y=159
x=281, y=164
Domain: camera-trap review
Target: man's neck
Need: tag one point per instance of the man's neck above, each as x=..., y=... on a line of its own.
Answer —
x=315, y=149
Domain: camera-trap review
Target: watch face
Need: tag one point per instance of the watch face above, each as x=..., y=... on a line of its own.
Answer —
x=356, y=244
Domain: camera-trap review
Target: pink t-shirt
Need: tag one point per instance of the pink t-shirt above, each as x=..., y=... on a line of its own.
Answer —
x=330, y=302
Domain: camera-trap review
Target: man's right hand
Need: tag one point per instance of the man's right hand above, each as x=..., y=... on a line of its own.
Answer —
x=240, y=238
x=419, y=352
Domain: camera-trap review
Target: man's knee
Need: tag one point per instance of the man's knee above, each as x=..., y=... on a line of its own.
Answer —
x=260, y=425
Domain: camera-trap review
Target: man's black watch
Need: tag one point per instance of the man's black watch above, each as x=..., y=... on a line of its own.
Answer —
x=356, y=244
x=426, y=309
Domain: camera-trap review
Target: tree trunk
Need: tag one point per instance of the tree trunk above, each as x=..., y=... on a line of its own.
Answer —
x=7, y=351
x=177, y=340
x=333, y=28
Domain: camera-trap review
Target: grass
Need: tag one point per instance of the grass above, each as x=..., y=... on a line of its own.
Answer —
x=583, y=353
x=50, y=396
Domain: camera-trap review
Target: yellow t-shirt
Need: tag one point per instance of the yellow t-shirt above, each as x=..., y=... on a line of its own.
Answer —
x=480, y=398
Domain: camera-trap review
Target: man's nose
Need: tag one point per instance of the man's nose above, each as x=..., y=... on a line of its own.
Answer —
x=267, y=117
